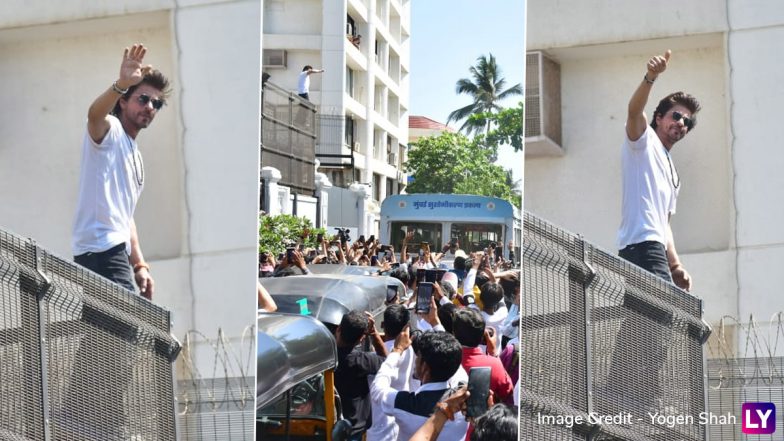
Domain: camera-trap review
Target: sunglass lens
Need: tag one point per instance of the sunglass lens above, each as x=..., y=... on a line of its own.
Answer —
x=156, y=104
x=676, y=116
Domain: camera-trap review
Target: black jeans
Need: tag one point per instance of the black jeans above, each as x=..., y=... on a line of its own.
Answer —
x=112, y=264
x=650, y=256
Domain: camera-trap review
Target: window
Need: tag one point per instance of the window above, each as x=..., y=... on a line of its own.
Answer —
x=390, y=186
x=350, y=82
x=376, y=186
x=349, y=132
x=429, y=232
x=351, y=27
x=476, y=236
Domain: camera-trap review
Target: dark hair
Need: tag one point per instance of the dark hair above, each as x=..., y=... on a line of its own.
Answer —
x=459, y=263
x=441, y=352
x=307, y=67
x=481, y=279
x=510, y=283
x=396, y=318
x=400, y=274
x=682, y=98
x=492, y=294
x=446, y=314
x=468, y=327
x=499, y=423
x=154, y=79
x=353, y=326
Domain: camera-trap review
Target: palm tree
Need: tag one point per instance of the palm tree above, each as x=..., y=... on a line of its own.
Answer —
x=485, y=87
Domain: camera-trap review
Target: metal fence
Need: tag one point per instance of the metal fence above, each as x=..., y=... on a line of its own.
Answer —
x=745, y=365
x=288, y=137
x=610, y=351
x=80, y=357
x=334, y=148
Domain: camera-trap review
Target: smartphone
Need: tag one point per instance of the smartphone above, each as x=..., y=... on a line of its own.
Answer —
x=420, y=275
x=361, y=239
x=499, y=253
x=373, y=260
x=430, y=275
x=424, y=293
x=371, y=239
x=319, y=238
x=440, y=274
x=479, y=389
x=290, y=254
x=396, y=265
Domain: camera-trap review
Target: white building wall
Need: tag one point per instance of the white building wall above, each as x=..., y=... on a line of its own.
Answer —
x=728, y=224
x=197, y=218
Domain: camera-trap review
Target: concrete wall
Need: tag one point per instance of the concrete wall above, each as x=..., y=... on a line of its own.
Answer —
x=728, y=225
x=197, y=218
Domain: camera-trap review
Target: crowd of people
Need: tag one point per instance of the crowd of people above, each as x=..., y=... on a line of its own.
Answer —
x=408, y=380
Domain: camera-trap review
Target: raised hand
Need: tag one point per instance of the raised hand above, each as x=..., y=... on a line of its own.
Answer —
x=132, y=71
x=658, y=64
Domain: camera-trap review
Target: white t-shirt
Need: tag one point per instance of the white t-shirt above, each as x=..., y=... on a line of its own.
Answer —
x=649, y=193
x=303, y=83
x=110, y=183
x=495, y=321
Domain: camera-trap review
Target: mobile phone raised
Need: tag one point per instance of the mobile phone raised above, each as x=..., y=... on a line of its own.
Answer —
x=479, y=390
x=424, y=293
x=431, y=275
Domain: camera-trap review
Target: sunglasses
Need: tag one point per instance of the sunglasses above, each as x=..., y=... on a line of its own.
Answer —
x=688, y=122
x=156, y=103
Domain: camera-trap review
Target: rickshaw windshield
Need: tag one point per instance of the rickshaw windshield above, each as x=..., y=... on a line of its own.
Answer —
x=307, y=401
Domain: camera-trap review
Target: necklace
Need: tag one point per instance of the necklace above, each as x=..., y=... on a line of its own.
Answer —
x=673, y=172
x=138, y=170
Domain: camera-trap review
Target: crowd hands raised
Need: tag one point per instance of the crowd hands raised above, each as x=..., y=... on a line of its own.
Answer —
x=410, y=382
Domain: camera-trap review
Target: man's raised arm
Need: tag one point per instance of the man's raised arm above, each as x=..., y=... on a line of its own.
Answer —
x=636, y=120
x=131, y=73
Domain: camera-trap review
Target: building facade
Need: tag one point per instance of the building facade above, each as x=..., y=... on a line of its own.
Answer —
x=727, y=227
x=362, y=97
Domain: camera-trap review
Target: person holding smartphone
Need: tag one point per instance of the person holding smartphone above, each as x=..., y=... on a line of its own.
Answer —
x=438, y=357
x=469, y=329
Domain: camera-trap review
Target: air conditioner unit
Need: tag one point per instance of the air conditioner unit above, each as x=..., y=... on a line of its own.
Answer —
x=542, y=105
x=274, y=58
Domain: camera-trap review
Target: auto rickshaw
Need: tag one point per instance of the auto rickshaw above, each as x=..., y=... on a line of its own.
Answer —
x=327, y=297
x=295, y=393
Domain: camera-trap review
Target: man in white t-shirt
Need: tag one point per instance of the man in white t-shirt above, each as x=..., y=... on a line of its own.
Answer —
x=650, y=180
x=112, y=174
x=303, y=82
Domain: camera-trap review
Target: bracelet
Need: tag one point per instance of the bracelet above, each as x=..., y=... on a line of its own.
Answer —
x=645, y=77
x=444, y=408
x=117, y=89
x=141, y=265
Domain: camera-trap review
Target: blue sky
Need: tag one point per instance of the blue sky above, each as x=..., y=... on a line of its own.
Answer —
x=446, y=39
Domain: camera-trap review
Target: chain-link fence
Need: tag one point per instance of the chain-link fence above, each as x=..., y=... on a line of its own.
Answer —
x=609, y=351
x=288, y=137
x=80, y=357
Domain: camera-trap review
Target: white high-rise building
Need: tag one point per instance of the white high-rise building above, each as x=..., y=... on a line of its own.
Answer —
x=362, y=96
